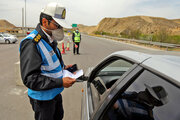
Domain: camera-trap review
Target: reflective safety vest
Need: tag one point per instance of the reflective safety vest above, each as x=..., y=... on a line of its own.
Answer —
x=77, y=37
x=50, y=67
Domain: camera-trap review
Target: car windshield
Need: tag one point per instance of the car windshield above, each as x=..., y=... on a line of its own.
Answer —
x=113, y=71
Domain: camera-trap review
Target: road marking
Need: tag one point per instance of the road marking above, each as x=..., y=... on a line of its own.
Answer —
x=17, y=62
x=15, y=91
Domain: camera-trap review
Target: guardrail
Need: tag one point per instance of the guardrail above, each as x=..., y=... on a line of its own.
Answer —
x=160, y=44
x=20, y=34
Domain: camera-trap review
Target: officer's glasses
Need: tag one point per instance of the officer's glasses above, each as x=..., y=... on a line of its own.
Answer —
x=57, y=25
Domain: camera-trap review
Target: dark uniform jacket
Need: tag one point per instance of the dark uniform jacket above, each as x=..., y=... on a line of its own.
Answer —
x=30, y=64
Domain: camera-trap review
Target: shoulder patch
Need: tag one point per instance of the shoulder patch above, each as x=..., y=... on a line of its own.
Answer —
x=37, y=38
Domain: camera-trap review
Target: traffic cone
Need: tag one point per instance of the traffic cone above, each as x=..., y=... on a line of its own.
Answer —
x=63, y=50
x=67, y=46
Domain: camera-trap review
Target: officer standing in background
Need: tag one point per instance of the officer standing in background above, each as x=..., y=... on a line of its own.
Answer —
x=42, y=65
x=76, y=37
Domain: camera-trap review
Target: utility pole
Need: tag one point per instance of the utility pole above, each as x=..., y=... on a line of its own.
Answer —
x=25, y=14
x=22, y=19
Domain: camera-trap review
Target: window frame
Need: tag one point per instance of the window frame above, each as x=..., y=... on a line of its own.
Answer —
x=117, y=89
x=93, y=111
x=123, y=86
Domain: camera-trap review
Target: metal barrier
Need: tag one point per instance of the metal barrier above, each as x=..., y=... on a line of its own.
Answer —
x=167, y=45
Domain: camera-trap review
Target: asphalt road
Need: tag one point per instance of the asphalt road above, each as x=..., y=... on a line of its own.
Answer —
x=14, y=103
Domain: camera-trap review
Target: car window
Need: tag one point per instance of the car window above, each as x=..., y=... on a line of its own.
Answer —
x=149, y=97
x=6, y=35
x=113, y=71
x=106, y=77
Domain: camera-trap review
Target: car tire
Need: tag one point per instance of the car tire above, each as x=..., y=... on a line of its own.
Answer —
x=7, y=41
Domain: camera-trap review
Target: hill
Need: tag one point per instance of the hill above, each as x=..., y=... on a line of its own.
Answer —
x=86, y=29
x=4, y=24
x=177, y=20
x=144, y=24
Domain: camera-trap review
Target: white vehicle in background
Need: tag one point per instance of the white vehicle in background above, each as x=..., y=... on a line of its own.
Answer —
x=7, y=38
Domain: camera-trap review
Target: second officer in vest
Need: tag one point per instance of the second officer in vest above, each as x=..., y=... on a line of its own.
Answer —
x=76, y=37
x=42, y=65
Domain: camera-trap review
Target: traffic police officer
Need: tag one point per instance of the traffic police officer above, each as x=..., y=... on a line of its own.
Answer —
x=76, y=37
x=42, y=65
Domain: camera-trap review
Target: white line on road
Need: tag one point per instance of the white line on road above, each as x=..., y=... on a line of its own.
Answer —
x=17, y=62
x=15, y=91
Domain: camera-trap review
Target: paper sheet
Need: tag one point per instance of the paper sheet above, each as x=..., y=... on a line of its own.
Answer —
x=66, y=73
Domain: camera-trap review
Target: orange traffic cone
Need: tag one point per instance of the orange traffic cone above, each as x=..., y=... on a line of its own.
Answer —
x=63, y=50
x=67, y=46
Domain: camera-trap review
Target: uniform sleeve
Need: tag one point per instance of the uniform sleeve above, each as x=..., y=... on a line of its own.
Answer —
x=73, y=37
x=30, y=63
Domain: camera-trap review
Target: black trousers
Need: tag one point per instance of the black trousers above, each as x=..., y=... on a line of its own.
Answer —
x=76, y=50
x=48, y=110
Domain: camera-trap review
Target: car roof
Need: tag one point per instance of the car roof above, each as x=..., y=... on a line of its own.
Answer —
x=137, y=57
x=165, y=65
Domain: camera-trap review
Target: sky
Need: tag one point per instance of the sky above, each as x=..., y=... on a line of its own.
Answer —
x=89, y=12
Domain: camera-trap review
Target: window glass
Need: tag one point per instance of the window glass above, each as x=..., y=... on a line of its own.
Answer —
x=6, y=35
x=113, y=71
x=148, y=98
x=106, y=77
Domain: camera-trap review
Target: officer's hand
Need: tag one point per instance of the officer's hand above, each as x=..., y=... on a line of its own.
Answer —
x=68, y=82
x=68, y=66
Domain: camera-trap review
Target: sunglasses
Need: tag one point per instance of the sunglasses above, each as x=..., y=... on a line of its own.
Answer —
x=57, y=25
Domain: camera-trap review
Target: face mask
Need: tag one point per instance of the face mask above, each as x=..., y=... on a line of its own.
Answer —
x=58, y=34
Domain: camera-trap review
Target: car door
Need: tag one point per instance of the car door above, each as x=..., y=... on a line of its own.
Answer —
x=148, y=96
x=1, y=39
x=102, y=78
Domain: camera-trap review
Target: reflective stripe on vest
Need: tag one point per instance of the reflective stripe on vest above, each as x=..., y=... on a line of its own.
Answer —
x=50, y=67
x=77, y=37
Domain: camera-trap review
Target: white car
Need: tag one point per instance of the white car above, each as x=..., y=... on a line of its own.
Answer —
x=7, y=38
x=130, y=85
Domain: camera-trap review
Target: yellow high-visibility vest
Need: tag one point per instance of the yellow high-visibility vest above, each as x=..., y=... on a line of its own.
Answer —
x=77, y=37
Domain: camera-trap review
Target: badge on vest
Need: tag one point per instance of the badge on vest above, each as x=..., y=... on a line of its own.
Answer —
x=37, y=38
x=51, y=52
